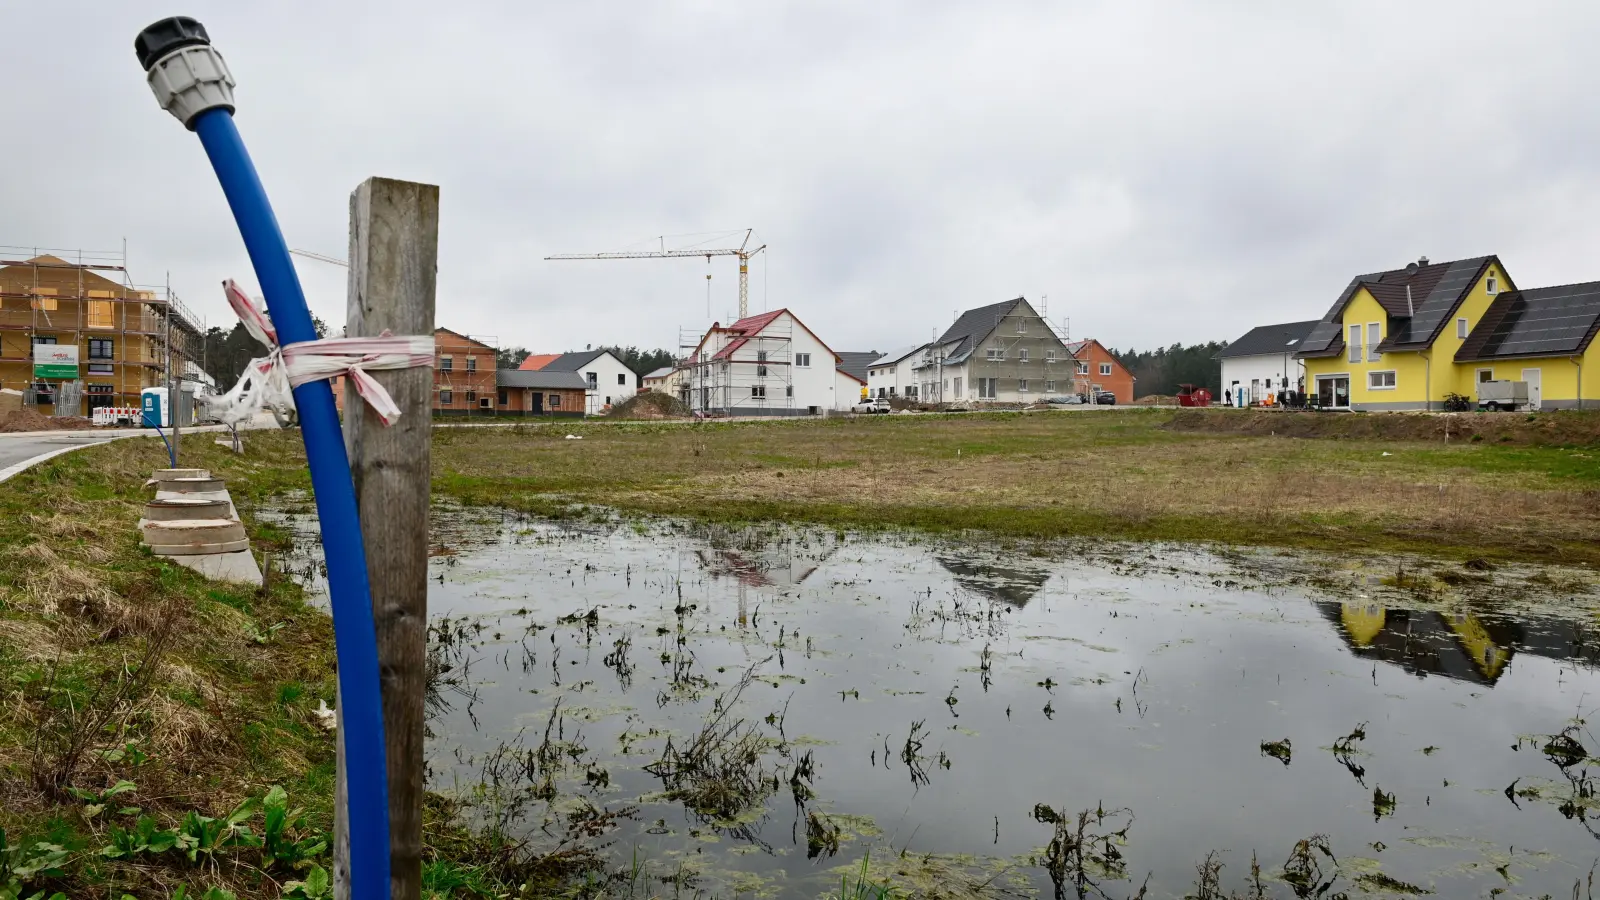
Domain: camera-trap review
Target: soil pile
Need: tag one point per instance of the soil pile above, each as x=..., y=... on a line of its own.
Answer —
x=650, y=405
x=1560, y=428
x=27, y=419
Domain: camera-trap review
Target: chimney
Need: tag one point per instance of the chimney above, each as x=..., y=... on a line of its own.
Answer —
x=1422, y=261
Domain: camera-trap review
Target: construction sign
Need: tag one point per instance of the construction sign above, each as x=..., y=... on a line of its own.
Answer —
x=55, y=361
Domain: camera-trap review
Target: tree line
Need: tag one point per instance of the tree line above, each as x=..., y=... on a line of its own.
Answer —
x=1161, y=370
x=640, y=362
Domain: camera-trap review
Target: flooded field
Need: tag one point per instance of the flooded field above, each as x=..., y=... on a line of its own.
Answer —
x=788, y=713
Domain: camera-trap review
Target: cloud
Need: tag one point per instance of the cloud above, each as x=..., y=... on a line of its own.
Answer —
x=1163, y=172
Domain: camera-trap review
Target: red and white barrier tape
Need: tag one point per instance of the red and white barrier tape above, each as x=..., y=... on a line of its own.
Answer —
x=271, y=380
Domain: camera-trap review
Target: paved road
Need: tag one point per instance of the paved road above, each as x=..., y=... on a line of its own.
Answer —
x=15, y=448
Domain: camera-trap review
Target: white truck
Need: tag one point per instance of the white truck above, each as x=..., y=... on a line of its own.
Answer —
x=1497, y=395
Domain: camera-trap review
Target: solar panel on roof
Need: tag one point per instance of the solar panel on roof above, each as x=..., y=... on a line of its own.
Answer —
x=1542, y=321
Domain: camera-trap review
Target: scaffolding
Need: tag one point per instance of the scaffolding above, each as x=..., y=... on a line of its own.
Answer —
x=1021, y=359
x=129, y=336
x=729, y=372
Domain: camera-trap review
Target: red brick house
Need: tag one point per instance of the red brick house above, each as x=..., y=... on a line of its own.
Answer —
x=1098, y=370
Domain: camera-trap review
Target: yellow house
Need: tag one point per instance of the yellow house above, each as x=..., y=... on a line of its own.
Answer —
x=1391, y=340
x=1543, y=336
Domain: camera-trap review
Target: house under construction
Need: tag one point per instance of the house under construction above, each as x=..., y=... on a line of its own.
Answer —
x=128, y=337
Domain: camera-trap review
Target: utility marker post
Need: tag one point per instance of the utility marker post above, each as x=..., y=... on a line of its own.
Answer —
x=394, y=251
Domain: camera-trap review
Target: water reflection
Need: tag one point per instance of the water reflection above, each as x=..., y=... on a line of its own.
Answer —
x=1461, y=645
x=770, y=705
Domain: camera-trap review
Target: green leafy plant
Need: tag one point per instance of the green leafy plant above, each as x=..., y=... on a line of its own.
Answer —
x=129, y=753
x=316, y=886
x=279, y=844
x=263, y=635
x=144, y=837
x=202, y=836
x=21, y=864
x=97, y=801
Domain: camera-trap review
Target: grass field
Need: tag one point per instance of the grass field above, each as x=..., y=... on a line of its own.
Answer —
x=1116, y=475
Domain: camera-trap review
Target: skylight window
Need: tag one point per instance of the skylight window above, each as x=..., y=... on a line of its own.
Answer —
x=1293, y=342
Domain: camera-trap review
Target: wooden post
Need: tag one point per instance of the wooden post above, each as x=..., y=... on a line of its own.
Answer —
x=394, y=249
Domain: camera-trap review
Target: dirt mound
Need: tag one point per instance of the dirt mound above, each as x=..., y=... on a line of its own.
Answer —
x=27, y=419
x=1156, y=400
x=649, y=405
x=1562, y=428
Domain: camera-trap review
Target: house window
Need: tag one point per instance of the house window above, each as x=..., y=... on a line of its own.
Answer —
x=485, y=404
x=472, y=397
x=1049, y=356
x=1355, y=343
x=101, y=369
x=958, y=387
x=1485, y=376
x=761, y=356
x=1022, y=385
x=1493, y=287
x=995, y=353
x=101, y=348
x=555, y=400
x=759, y=391
x=1374, y=335
x=502, y=393
x=1105, y=369
x=100, y=314
x=94, y=388
x=1380, y=381
x=1023, y=354
x=594, y=380
x=986, y=388
x=622, y=380
x=1049, y=387
x=472, y=364
x=1461, y=328
x=446, y=397
x=761, y=371
x=788, y=391
x=802, y=360
x=1083, y=368
x=447, y=364
x=44, y=339
x=1022, y=326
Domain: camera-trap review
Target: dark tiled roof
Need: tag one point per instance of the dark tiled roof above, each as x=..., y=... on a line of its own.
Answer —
x=571, y=362
x=1264, y=339
x=1436, y=290
x=975, y=324
x=540, y=378
x=1550, y=321
x=855, y=363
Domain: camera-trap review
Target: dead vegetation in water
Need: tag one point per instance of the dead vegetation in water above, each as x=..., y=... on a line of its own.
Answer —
x=720, y=772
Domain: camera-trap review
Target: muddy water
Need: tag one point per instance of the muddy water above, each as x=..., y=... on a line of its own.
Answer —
x=928, y=697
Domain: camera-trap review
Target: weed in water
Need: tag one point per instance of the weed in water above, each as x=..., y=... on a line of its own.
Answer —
x=1282, y=750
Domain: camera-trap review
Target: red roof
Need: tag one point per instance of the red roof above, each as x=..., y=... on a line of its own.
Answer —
x=751, y=324
x=727, y=352
x=537, y=361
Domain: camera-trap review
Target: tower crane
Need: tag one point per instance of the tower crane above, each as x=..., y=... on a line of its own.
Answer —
x=742, y=251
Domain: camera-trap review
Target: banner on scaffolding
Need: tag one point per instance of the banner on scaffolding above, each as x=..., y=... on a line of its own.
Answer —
x=55, y=361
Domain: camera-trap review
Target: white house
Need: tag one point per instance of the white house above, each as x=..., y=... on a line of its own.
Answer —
x=1262, y=362
x=851, y=382
x=663, y=380
x=1003, y=353
x=890, y=374
x=610, y=382
x=765, y=365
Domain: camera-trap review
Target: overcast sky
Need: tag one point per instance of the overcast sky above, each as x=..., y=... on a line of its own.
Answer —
x=1164, y=172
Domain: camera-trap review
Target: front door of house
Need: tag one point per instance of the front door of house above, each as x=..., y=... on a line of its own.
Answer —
x=1532, y=377
x=1333, y=390
x=538, y=402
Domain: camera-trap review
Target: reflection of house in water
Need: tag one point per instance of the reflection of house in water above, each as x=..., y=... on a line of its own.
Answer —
x=990, y=579
x=1458, y=645
x=755, y=559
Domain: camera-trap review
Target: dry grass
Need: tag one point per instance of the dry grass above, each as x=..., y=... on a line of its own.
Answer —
x=1116, y=474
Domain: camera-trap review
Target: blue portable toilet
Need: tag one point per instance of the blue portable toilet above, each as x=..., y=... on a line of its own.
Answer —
x=156, y=412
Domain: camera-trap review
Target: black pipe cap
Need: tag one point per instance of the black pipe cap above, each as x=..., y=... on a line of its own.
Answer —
x=167, y=35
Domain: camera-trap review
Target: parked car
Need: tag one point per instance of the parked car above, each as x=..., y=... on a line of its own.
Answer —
x=871, y=405
x=1105, y=398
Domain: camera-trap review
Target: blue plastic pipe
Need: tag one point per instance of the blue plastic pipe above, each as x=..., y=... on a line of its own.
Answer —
x=355, y=641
